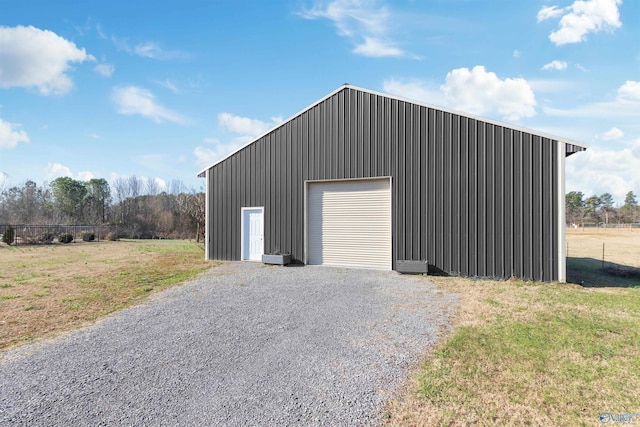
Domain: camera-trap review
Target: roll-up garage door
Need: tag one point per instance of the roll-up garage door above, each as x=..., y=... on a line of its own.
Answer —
x=349, y=223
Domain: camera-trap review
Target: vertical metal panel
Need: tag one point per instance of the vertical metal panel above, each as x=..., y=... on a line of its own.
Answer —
x=464, y=194
x=472, y=219
x=498, y=190
x=468, y=197
x=454, y=167
x=481, y=213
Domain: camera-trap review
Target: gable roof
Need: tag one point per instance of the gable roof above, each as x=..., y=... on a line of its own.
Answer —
x=571, y=145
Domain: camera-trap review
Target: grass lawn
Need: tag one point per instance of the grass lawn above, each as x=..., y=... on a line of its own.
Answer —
x=524, y=353
x=52, y=288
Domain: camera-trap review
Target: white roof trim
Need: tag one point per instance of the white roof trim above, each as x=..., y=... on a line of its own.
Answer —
x=398, y=98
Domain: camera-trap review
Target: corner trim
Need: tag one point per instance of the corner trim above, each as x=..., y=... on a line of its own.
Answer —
x=562, y=226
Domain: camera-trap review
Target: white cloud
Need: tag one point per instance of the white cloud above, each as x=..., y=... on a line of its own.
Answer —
x=516, y=53
x=581, y=68
x=629, y=90
x=481, y=92
x=552, y=85
x=555, y=65
x=149, y=49
x=31, y=57
x=616, y=109
x=246, y=128
x=598, y=171
x=85, y=176
x=626, y=105
x=351, y=16
x=105, y=69
x=10, y=136
x=416, y=89
x=216, y=150
x=4, y=181
x=549, y=12
x=581, y=18
x=245, y=125
x=56, y=170
x=101, y=32
x=206, y=156
x=132, y=100
x=157, y=184
x=375, y=47
x=363, y=22
x=473, y=91
x=167, y=84
x=613, y=133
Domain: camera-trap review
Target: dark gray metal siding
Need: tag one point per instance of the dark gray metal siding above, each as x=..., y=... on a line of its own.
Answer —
x=469, y=197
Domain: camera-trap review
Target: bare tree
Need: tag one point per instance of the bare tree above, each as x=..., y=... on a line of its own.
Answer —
x=121, y=188
x=24, y=204
x=176, y=187
x=4, y=182
x=135, y=186
x=192, y=206
x=152, y=188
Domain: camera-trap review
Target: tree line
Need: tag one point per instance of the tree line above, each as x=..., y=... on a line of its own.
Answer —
x=140, y=208
x=601, y=209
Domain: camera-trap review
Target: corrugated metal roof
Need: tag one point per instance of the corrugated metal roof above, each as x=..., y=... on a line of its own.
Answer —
x=572, y=145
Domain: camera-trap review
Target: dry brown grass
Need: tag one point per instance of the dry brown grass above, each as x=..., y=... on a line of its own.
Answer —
x=621, y=266
x=48, y=289
x=621, y=245
x=524, y=353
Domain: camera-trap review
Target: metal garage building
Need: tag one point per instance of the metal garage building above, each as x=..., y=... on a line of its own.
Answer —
x=366, y=179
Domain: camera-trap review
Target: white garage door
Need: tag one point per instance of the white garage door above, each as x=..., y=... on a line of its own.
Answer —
x=349, y=223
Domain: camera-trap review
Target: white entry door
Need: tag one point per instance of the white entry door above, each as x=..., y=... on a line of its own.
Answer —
x=252, y=234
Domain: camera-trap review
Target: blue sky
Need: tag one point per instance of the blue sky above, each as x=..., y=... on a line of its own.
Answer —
x=162, y=89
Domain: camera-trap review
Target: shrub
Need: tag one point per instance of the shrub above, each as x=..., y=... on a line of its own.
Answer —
x=88, y=236
x=9, y=235
x=46, y=237
x=65, y=238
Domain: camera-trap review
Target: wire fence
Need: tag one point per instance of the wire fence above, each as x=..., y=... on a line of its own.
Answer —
x=601, y=225
x=30, y=234
x=609, y=248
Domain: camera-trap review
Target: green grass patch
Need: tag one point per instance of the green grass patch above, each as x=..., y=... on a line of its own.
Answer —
x=592, y=272
x=573, y=354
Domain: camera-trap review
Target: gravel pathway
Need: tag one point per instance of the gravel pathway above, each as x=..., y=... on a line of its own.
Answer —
x=244, y=344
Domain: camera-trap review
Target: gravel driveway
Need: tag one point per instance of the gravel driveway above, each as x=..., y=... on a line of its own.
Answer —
x=244, y=344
